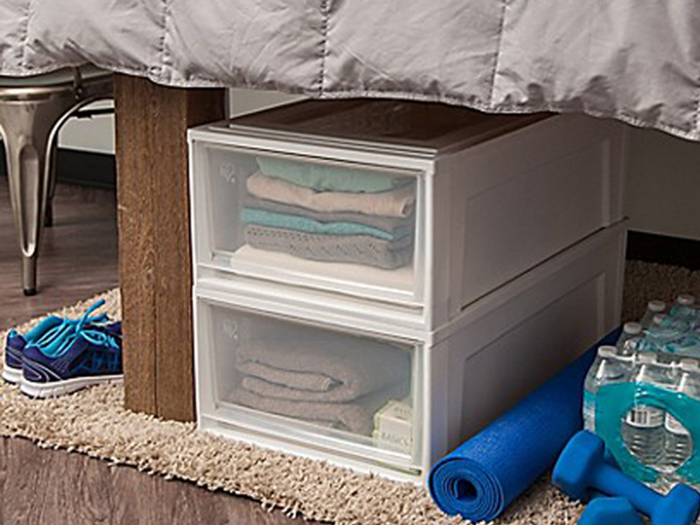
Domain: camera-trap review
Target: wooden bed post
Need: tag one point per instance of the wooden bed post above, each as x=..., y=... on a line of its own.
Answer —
x=154, y=240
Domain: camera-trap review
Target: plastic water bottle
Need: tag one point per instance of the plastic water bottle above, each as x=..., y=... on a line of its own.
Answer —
x=669, y=322
x=664, y=329
x=608, y=368
x=643, y=430
x=590, y=391
x=685, y=299
x=679, y=443
x=630, y=338
x=686, y=309
x=686, y=346
x=654, y=308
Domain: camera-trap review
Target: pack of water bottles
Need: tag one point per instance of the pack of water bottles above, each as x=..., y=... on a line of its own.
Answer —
x=642, y=396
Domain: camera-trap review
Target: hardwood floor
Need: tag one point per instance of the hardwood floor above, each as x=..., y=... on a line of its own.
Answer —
x=47, y=487
x=78, y=256
x=55, y=488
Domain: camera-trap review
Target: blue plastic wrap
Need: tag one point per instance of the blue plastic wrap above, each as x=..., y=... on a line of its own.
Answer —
x=483, y=476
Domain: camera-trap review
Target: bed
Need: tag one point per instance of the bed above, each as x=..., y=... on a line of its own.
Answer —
x=638, y=61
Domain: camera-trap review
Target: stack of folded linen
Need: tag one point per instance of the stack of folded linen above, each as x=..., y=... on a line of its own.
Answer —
x=332, y=214
x=337, y=383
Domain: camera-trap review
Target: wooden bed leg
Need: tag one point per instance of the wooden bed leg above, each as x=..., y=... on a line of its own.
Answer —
x=154, y=240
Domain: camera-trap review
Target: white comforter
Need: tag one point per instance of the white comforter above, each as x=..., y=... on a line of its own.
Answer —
x=636, y=60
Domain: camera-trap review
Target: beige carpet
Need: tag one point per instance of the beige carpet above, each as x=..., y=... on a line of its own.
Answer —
x=93, y=422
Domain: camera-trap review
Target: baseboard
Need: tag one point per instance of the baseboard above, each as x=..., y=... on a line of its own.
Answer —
x=663, y=249
x=83, y=168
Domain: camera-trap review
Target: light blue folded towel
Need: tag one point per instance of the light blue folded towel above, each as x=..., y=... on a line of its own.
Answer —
x=331, y=178
x=307, y=225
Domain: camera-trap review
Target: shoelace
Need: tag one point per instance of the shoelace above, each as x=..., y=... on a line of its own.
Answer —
x=68, y=330
x=100, y=338
x=67, y=324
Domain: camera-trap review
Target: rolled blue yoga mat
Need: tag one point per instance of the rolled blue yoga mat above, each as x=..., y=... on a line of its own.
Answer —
x=484, y=475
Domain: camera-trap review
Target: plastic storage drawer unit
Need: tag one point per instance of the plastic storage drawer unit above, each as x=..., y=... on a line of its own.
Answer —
x=322, y=381
x=421, y=206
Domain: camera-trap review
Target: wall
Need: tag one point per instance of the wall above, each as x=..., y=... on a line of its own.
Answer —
x=95, y=134
x=663, y=188
x=243, y=101
x=663, y=193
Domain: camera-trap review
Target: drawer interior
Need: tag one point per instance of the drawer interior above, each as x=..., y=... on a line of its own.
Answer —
x=335, y=387
x=309, y=221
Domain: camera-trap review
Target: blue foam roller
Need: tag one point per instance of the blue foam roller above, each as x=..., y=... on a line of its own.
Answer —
x=484, y=475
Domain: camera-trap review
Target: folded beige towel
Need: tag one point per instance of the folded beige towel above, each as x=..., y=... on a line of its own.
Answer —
x=321, y=367
x=356, y=417
x=394, y=203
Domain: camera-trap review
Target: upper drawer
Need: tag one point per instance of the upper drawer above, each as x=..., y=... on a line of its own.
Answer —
x=428, y=231
x=344, y=226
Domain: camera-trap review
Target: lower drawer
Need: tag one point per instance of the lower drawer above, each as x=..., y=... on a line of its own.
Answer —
x=308, y=382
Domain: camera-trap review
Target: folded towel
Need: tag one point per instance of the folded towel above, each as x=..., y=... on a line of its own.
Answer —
x=356, y=417
x=321, y=367
x=330, y=178
x=308, y=225
x=353, y=249
x=399, y=202
x=388, y=224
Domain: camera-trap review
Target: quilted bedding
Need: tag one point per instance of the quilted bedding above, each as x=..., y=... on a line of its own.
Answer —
x=635, y=60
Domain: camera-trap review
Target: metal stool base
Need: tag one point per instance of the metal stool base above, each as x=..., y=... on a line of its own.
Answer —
x=29, y=123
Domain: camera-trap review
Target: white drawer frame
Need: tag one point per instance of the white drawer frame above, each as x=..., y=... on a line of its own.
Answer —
x=446, y=198
x=254, y=422
x=203, y=221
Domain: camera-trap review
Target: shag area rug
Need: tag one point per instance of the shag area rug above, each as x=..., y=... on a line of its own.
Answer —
x=93, y=422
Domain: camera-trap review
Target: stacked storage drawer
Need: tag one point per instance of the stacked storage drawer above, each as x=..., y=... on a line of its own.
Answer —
x=376, y=280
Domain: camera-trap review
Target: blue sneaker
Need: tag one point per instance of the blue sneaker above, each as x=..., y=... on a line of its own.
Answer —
x=48, y=334
x=14, y=348
x=88, y=356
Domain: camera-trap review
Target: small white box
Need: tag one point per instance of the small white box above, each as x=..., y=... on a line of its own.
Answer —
x=422, y=207
x=393, y=426
x=260, y=377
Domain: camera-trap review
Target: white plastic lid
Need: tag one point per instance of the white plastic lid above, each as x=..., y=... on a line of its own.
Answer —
x=685, y=299
x=626, y=357
x=658, y=318
x=607, y=351
x=656, y=306
x=690, y=365
x=646, y=357
x=632, y=328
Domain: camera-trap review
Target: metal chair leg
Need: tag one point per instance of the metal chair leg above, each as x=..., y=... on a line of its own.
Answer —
x=48, y=218
x=28, y=129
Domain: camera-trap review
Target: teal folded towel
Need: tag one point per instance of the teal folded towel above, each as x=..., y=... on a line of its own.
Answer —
x=307, y=225
x=331, y=178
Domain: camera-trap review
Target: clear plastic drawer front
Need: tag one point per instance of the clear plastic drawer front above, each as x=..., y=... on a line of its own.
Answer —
x=326, y=387
x=306, y=221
